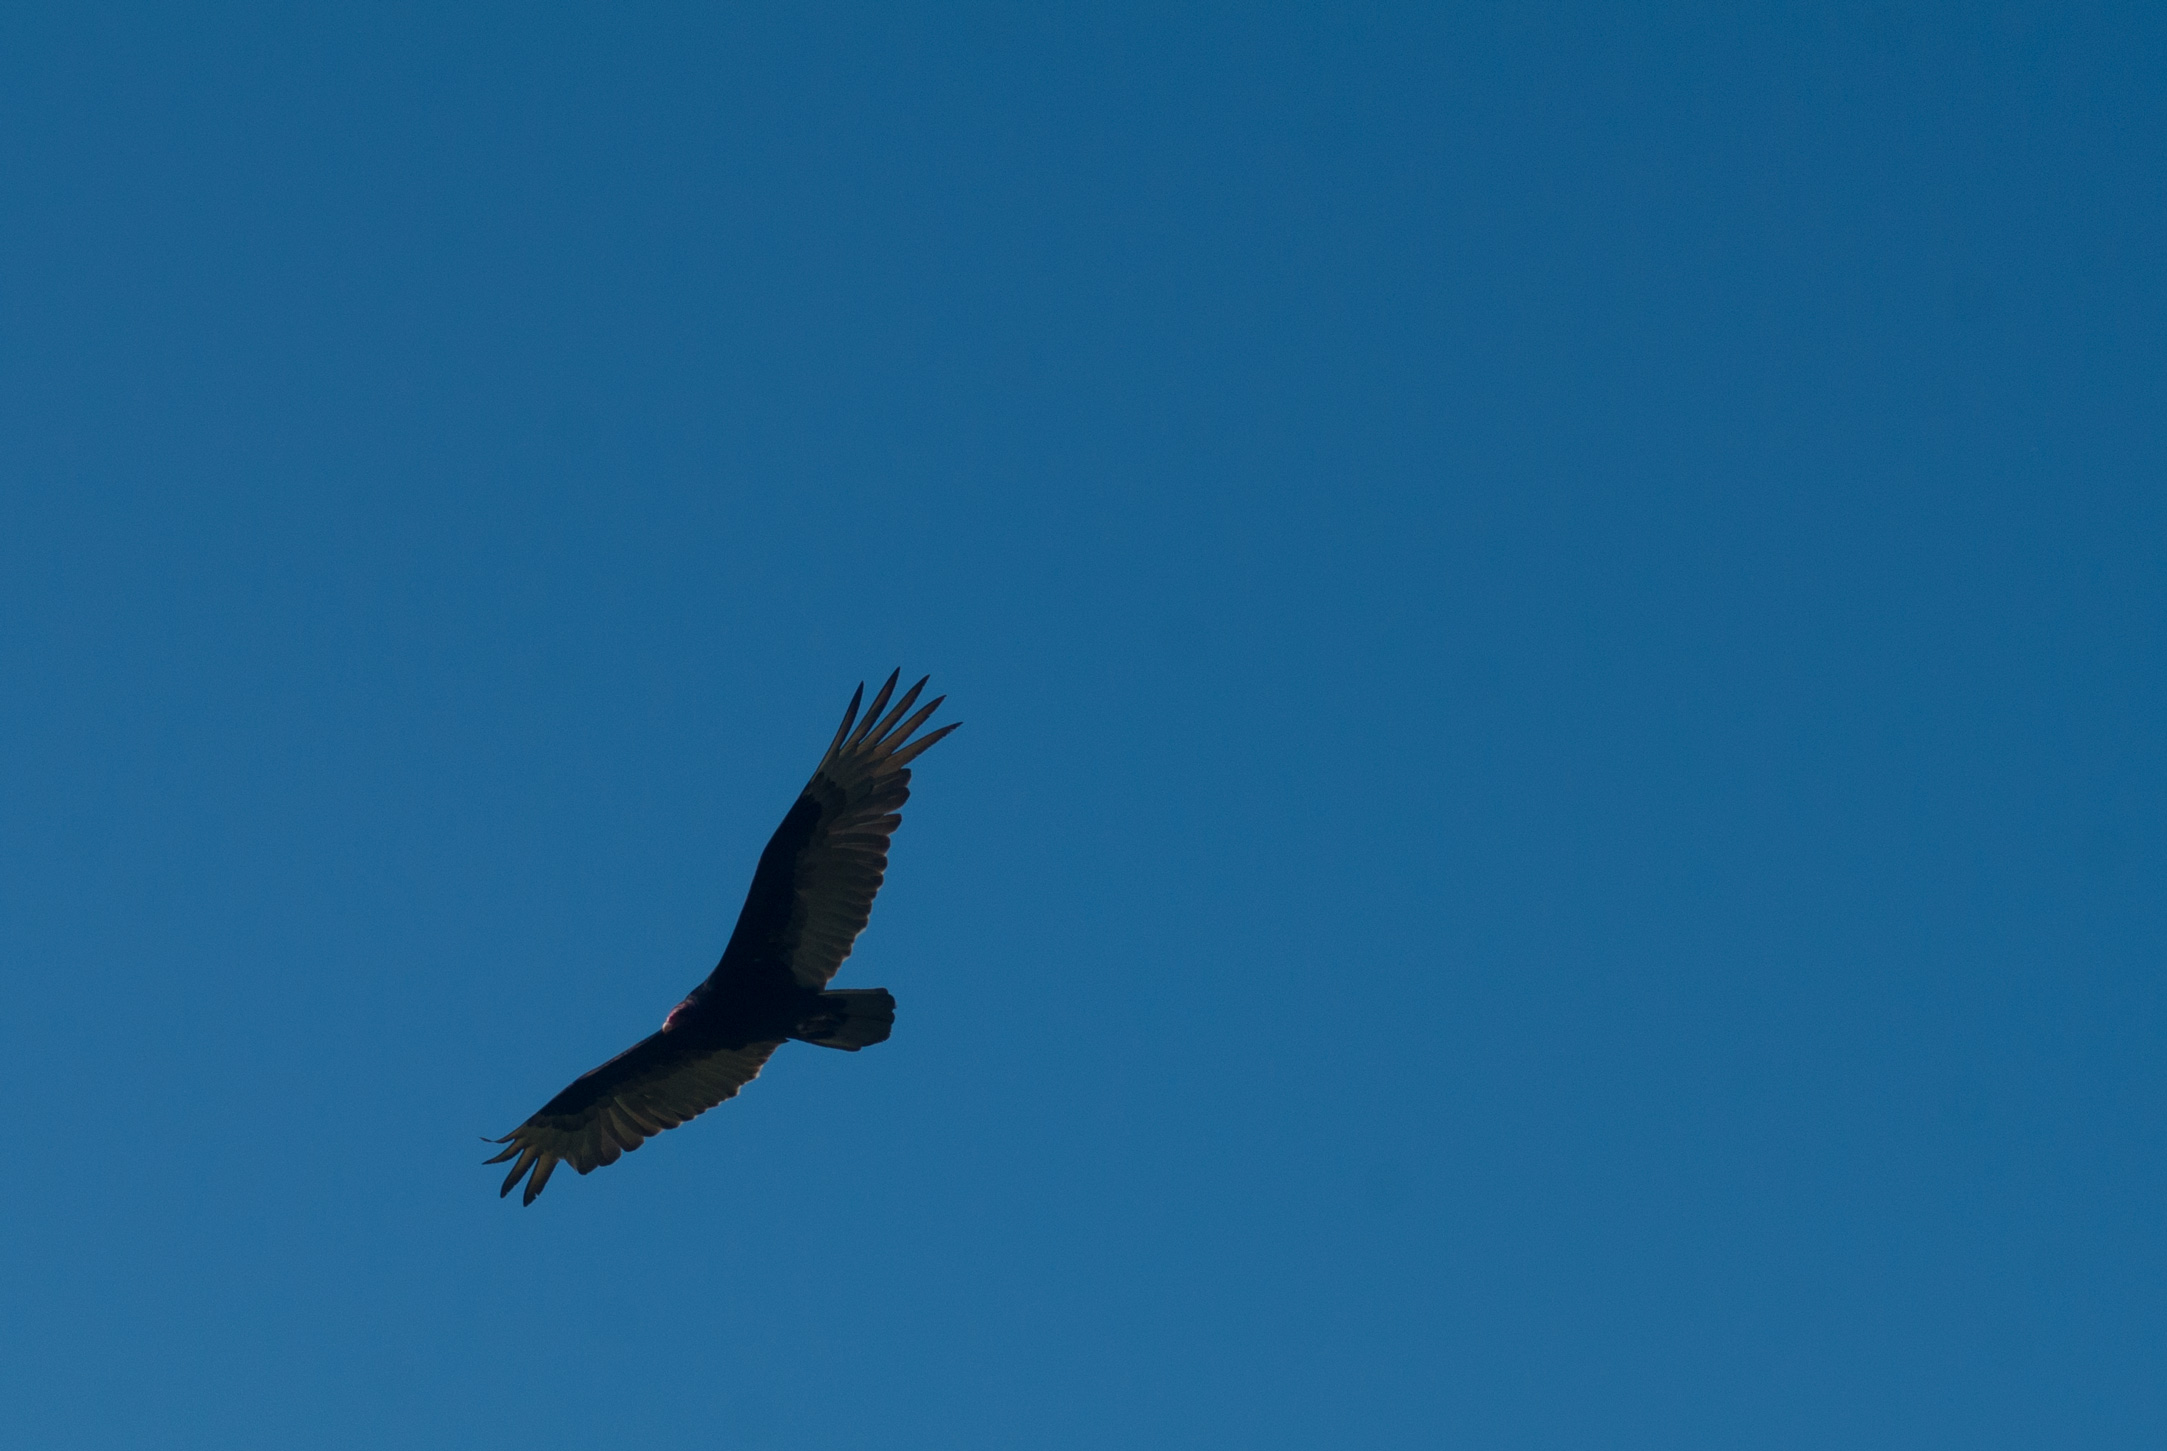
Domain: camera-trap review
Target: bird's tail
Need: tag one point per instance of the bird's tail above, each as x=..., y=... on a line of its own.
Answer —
x=850, y=1019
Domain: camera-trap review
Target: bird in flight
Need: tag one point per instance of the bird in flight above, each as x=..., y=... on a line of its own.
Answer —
x=810, y=897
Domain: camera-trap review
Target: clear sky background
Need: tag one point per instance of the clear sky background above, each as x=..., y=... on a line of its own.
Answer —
x=1559, y=836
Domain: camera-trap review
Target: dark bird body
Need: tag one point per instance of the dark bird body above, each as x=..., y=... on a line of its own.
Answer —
x=810, y=897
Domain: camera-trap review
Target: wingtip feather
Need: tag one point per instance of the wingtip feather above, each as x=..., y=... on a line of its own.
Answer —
x=872, y=712
x=848, y=716
x=895, y=739
x=542, y=1171
x=920, y=746
x=528, y=1154
x=880, y=735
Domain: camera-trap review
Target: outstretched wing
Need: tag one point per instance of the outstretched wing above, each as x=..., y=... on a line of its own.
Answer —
x=656, y=1084
x=813, y=890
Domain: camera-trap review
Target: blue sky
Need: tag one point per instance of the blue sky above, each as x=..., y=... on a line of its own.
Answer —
x=1559, y=612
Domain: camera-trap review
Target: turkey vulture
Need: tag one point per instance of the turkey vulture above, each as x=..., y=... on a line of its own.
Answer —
x=810, y=897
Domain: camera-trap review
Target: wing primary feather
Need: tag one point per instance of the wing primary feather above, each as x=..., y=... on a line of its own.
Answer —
x=527, y=1155
x=848, y=716
x=542, y=1171
x=879, y=737
x=918, y=747
x=872, y=712
x=508, y=1153
x=895, y=738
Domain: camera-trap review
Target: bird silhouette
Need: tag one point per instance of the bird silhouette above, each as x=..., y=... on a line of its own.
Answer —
x=810, y=898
